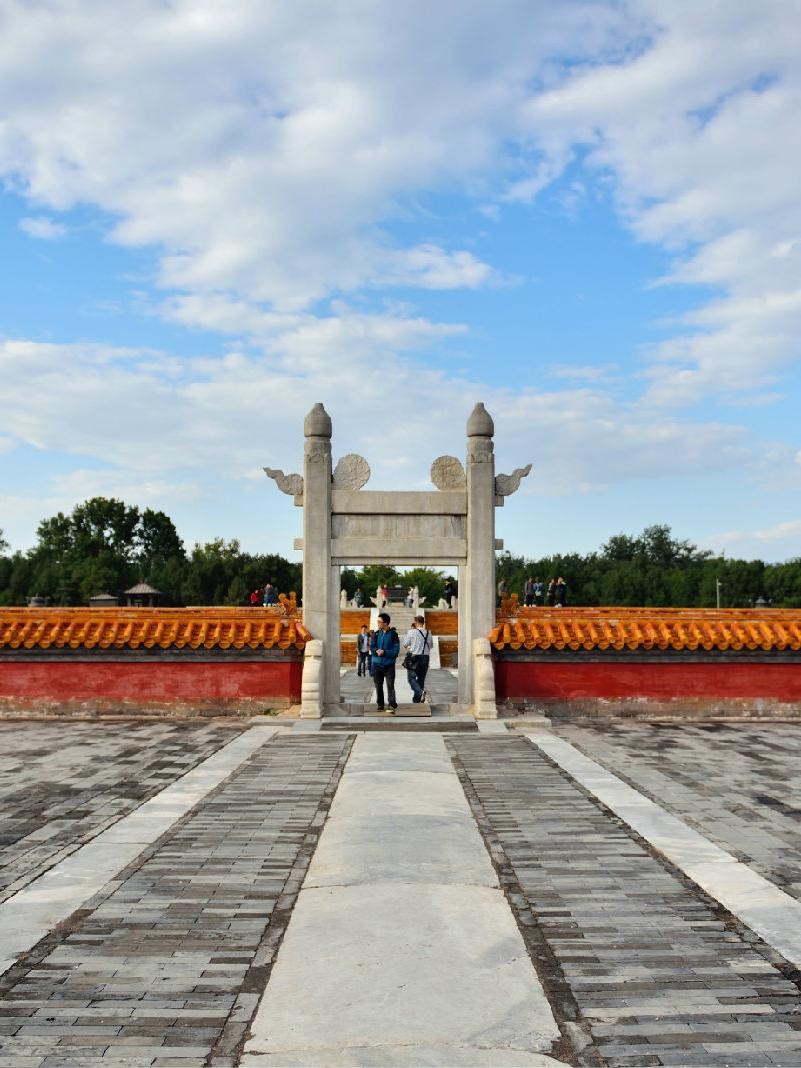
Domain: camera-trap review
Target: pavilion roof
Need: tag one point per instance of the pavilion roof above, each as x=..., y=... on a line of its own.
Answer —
x=650, y=628
x=149, y=628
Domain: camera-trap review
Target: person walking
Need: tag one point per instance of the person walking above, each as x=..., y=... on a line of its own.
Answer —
x=539, y=592
x=385, y=649
x=419, y=642
x=363, y=650
x=528, y=592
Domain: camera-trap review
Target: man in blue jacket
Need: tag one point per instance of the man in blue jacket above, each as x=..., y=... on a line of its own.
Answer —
x=386, y=646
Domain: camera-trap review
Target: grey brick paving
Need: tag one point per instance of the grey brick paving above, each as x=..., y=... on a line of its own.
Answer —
x=649, y=967
x=63, y=783
x=167, y=969
x=737, y=784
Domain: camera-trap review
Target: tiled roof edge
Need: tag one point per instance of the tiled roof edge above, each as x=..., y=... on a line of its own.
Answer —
x=644, y=629
x=147, y=628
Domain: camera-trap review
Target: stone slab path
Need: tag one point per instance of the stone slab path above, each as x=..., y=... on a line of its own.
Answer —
x=166, y=965
x=401, y=931
x=271, y=895
x=651, y=969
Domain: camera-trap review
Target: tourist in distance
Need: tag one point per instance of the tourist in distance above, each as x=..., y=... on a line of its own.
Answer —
x=501, y=591
x=528, y=592
x=385, y=649
x=371, y=634
x=363, y=649
x=539, y=592
x=419, y=642
x=383, y=595
x=551, y=595
x=450, y=590
x=255, y=598
x=560, y=593
x=358, y=597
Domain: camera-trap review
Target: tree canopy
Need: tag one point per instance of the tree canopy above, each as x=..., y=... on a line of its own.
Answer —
x=655, y=569
x=106, y=546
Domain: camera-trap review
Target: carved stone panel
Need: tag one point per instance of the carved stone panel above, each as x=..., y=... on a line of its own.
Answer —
x=403, y=527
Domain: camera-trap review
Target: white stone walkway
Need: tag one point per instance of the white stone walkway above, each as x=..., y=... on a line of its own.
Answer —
x=401, y=949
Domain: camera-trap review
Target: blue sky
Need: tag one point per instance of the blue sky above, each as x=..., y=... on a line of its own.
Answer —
x=585, y=215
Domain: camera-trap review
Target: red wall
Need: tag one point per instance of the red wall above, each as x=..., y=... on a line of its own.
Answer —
x=160, y=681
x=571, y=681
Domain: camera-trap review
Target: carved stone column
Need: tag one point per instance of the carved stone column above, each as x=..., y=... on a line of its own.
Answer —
x=479, y=612
x=320, y=579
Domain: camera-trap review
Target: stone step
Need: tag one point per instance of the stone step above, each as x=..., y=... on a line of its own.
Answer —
x=402, y=710
x=396, y=723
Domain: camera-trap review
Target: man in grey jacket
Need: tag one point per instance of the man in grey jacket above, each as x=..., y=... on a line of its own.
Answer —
x=419, y=642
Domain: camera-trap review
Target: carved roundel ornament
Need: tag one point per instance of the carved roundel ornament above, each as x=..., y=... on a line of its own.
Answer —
x=447, y=473
x=351, y=472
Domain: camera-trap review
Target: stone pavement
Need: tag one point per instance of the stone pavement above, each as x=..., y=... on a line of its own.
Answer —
x=462, y=892
x=441, y=685
x=62, y=783
x=736, y=783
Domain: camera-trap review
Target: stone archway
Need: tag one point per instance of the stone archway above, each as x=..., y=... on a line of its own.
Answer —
x=346, y=525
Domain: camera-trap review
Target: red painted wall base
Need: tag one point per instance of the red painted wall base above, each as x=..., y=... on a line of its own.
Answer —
x=524, y=680
x=161, y=681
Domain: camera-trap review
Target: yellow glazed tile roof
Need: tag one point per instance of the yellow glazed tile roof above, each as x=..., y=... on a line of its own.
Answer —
x=650, y=628
x=150, y=628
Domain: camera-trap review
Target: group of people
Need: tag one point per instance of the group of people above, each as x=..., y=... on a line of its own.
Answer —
x=536, y=593
x=266, y=595
x=378, y=651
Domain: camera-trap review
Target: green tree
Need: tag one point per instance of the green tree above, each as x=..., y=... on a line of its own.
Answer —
x=430, y=583
x=374, y=575
x=103, y=545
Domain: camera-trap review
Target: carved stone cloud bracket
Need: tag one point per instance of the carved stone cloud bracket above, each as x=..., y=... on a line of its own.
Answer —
x=351, y=472
x=291, y=484
x=506, y=485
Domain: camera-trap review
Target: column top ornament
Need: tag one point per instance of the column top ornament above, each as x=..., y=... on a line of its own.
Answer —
x=317, y=423
x=480, y=424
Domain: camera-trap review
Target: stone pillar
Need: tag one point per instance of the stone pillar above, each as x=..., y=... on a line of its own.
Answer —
x=479, y=590
x=320, y=578
x=463, y=650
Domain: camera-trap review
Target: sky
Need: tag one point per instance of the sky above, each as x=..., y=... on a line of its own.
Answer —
x=584, y=214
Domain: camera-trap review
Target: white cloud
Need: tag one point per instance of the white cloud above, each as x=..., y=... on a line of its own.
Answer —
x=780, y=541
x=266, y=151
x=698, y=128
x=42, y=227
x=262, y=148
x=219, y=416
